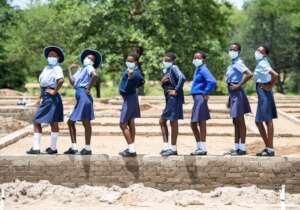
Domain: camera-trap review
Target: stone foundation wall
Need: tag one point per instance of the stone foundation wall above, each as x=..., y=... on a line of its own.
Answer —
x=181, y=172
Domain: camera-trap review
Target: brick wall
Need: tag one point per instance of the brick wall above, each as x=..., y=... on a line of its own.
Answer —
x=182, y=172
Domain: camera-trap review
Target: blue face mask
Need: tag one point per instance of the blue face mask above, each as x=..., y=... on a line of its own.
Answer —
x=258, y=56
x=167, y=64
x=130, y=65
x=52, y=61
x=197, y=62
x=87, y=61
x=233, y=54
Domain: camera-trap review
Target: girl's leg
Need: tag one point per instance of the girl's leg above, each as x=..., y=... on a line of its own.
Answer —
x=126, y=132
x=174, y=134
x=54, y=135
x=270, y=128
x=202, y=125
x=37, y=136
x=87, y=131
x=262, y=132
x=196, y=131
x=131, y=125
x=72, y=131
x=242, y=135
x=236, y=134
x=164, y=130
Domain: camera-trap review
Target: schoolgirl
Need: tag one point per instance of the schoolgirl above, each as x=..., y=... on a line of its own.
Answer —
x=82, y=81
x=172, y=84
x=203, y=84
x=265, y=78
x=131, y=80
x=50, y=108
x=237, y=75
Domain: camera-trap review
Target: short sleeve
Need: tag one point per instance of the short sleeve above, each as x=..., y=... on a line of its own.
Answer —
x=59, y=73
x=90, y=69
x=266, y=66
x=241, y=67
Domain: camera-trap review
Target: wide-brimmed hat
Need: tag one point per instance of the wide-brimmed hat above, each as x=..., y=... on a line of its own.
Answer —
x=96, y=54
x=56, y=49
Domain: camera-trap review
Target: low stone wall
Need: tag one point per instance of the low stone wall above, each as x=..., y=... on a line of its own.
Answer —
x=181, y=172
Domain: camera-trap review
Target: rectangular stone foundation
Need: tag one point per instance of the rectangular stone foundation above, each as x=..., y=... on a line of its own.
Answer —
x=181, y=172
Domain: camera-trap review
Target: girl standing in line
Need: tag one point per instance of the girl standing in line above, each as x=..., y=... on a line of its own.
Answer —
x=131, y=80
x=82, y=81
x=203, y=84
x=50, y=109
x=265, y=78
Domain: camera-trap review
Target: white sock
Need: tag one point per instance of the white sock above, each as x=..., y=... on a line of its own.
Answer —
x=165, y=146
x=236, y=146
x=37, y=141
x=203, y=145
x=242, y=147
x=198, y=145
x=173, y=147
x=270, y=149
x=131, y=148
x=74, y=146
x=54, y=136
x=87, y=147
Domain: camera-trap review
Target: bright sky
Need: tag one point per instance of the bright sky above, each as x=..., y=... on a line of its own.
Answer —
x=22, y=3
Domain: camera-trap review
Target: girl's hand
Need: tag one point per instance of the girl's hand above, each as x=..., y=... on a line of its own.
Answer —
x=88, y=91
x=173, y=93
x=266, y=87
x=51, y=91
x=235, y=86
x=130, y=73
x=38, y=102
x=73, y=66
x=206, y=97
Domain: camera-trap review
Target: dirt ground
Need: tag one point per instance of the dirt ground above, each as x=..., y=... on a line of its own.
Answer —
x=43, y=195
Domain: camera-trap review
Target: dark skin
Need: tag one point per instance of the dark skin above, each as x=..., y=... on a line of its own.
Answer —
x=86, y=123
x=267, y=133
x=128, y=128
x=163, y=122
x=54, y=126
x=240, y=130
x=199, y=132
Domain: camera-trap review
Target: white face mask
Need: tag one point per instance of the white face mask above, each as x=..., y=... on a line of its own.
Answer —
x=87, y=61
x=197, y=62
x=167, y=64
x=130, y=65
x=258, y=55
x=233, y=54
x=52, y=61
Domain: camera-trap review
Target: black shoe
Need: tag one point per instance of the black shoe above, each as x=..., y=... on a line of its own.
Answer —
x=230, y=152
x=199, y=152
x=266, y=153
x=50, y=151
x=85, y=152
x=169, y=152
x=71, y=151
x=126, y=153
x=162, y=151
x=238, y=152
x=33, y=151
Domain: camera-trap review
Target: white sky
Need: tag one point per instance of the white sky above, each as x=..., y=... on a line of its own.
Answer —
x=22, y=3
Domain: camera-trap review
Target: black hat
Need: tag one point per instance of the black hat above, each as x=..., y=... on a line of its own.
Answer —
x=56, y=49
x=86, y=52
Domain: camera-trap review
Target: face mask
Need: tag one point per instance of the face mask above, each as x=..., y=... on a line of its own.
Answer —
x=233, y=54
x=258, y=55
x=52, y=61
x=87, y=61
x=167, y=64
x=130, y=65
x=197, y=62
